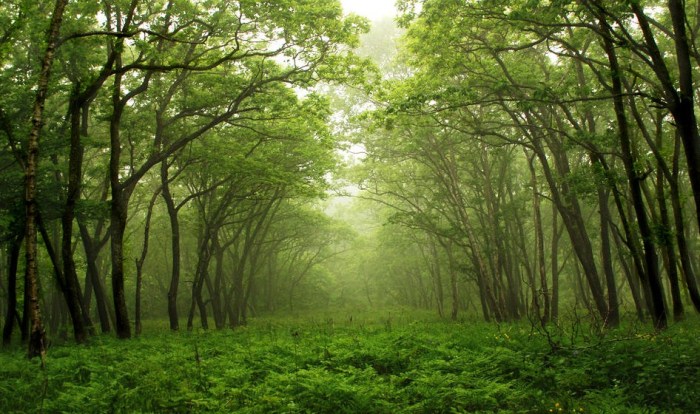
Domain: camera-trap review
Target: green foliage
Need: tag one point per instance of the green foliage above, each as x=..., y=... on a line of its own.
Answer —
x=387, y=363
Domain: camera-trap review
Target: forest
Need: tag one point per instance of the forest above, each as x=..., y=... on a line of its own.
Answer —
x=280, y=206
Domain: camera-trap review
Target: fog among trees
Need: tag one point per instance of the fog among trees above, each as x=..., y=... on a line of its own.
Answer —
x=200, y=164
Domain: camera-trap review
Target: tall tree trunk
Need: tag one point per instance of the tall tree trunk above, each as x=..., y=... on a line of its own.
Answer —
x=650, y=257
x=681, y=241
x=37, y=336
x=613, y=318
x=684, y=112
x=71, y=286
x=568, y=206
x=175, y=246
x=672, y=178
x=543, y=313
x=602, y=190
x=118, y=220
x=140, y=261
x=679, y=100
x=121, y=193
x=118, y=213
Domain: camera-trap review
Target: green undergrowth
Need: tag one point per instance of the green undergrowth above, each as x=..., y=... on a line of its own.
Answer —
x=380, y=365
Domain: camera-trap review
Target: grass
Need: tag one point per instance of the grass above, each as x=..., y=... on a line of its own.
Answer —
x=387, y=363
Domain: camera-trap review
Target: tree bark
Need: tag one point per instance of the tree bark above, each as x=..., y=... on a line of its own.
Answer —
x=37, y=336
x=613, y=318
x=684, y=113
x=91, y=248
x=543, y=313
x=140, y=261
x=175, y=246
x=679, y=100
x=650, y=258
x=12, y=317
x=118, y=214
x=556, y=234
x=71, y=286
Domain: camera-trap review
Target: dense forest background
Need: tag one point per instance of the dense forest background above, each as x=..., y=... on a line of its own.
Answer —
x=206, y=162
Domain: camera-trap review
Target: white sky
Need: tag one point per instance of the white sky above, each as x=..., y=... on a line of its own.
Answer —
x=372, y=9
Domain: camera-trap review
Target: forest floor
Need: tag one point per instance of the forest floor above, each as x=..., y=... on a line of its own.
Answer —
x=391, y=362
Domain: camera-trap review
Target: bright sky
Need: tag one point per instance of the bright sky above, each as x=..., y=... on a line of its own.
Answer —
x=372, y=9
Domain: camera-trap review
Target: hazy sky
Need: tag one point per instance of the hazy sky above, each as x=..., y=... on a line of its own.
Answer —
x=372, y=9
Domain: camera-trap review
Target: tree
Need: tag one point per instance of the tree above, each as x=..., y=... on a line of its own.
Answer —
x=37, y=336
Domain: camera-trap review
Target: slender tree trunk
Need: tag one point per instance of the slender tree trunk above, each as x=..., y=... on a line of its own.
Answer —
x=90, y=247
x=669, y=252
x=37, y=336
x=568, y=206
x=632, y=281
x=11, y=317
x=556, y=234
x=672, y=178
x=175, y=246
x=453, y=281
x=433, y=262
x=199, y=280
x=216, y=290
x=650, y=258
x=139, y=264
x=613, y=319
x=681, y=241
x=543, y=314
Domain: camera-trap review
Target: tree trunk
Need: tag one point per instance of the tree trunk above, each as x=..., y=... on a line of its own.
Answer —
x=683, y=110
x=681, y=242
x=672, y=178
x=650, y=258
x=118, y=219
x=216, y=291
x=37, y=336
x=543, y=314
x=71, y=286
x=121, y=193
x=199, y=279
x=568, y=206
x=175, y=246
x=668, y=251
x=556, y=234
x=433, y=264
x=12, y=317
x=453, y=281
x=139, y=264
x=613, y=318
x=91, y=256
